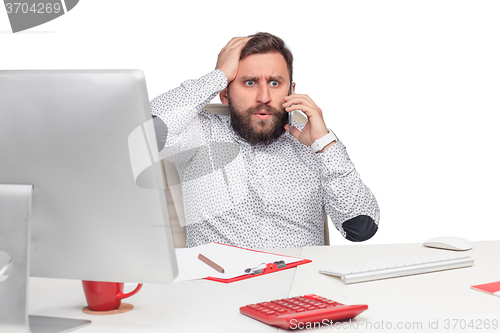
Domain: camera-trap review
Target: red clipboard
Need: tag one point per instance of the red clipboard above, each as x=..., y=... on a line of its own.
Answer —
x=270, y=268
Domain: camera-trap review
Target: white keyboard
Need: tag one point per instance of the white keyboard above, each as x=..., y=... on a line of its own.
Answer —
x=401, y=267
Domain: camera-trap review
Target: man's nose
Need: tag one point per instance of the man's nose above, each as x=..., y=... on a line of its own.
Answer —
x=263, y=95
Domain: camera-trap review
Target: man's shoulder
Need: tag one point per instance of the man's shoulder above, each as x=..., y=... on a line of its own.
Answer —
x=211, y=113
x=217, y=126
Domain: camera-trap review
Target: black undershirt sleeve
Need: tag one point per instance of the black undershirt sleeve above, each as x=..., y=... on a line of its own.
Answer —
x=359, y=228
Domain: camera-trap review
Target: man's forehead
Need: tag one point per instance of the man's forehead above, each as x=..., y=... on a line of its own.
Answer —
x=263, y=65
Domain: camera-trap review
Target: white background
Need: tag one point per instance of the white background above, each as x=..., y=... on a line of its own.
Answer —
x=411, y=87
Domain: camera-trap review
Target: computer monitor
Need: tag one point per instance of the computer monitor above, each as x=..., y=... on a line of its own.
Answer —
x=84, y=139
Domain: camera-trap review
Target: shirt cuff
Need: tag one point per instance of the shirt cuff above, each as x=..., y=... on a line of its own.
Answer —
x=220, y=78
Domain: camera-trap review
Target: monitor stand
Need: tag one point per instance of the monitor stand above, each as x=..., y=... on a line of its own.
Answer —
x=15, y=210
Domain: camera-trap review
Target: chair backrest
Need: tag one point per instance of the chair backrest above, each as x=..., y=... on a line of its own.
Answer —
x=173, y=187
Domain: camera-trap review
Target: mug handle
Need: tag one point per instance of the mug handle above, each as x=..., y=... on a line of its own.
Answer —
x=122, y=295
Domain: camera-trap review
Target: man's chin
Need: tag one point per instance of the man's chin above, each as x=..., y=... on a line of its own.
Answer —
x=262, y=125
x=257, y=128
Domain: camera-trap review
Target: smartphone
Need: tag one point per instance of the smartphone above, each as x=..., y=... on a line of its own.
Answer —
x=290, y=114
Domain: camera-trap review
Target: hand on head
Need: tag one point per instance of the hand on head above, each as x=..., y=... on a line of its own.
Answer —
x=229, y=57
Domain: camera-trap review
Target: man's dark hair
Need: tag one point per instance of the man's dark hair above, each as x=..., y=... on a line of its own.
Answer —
x=263, y=42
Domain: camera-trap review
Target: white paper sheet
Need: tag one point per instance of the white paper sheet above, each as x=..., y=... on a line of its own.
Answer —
x=234, y=260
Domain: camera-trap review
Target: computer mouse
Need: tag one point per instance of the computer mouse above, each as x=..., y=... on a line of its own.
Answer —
x=449, y=243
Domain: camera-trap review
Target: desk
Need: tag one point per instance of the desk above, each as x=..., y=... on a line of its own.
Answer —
x=206, y=306
x=417, y=300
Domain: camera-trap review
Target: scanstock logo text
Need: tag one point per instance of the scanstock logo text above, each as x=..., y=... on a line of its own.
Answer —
x=26, y=14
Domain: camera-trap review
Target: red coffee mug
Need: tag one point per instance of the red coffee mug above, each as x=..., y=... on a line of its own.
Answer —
x=105, y=296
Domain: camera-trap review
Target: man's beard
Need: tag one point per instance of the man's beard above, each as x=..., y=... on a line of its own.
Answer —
x=255, y=131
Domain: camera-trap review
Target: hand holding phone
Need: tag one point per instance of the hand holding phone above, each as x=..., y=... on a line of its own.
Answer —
x=315, y=128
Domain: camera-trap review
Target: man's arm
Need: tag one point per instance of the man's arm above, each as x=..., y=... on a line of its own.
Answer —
x=178, y=109
x=347, y=200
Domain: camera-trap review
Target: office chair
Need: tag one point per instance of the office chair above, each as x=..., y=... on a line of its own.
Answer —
x=174, y=194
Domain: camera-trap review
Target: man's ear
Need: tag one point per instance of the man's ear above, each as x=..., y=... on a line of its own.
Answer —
x=223, y=97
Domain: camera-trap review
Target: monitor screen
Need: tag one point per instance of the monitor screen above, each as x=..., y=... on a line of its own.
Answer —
x=83, y=138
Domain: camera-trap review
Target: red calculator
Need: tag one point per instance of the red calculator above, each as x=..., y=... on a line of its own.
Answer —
x=300, y=312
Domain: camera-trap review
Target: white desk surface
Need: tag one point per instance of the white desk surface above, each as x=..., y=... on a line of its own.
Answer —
x=417, y=301
x=420, y=301
x=189, y=306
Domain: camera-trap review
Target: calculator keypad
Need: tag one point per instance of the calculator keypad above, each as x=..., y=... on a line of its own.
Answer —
x=294, y=304
x=302, y=309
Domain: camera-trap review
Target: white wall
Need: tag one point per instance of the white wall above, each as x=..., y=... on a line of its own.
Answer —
x=411, y=87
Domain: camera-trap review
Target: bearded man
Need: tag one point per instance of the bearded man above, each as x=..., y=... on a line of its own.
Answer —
x=246, y=181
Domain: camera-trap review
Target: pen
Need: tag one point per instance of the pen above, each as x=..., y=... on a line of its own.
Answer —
x=210, y=263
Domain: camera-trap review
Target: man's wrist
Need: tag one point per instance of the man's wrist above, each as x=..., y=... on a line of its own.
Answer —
x=223, y=83
x=326, y=147
x=321, y=144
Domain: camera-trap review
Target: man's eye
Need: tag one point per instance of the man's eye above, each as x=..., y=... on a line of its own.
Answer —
x=274, y=83
x=249, y=82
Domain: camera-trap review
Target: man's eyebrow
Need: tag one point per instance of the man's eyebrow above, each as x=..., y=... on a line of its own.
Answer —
x=276, y=78
x=248, y=78
x=255, y=78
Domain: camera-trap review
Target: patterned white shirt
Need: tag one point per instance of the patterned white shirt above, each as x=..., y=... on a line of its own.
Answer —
x=272, y=196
